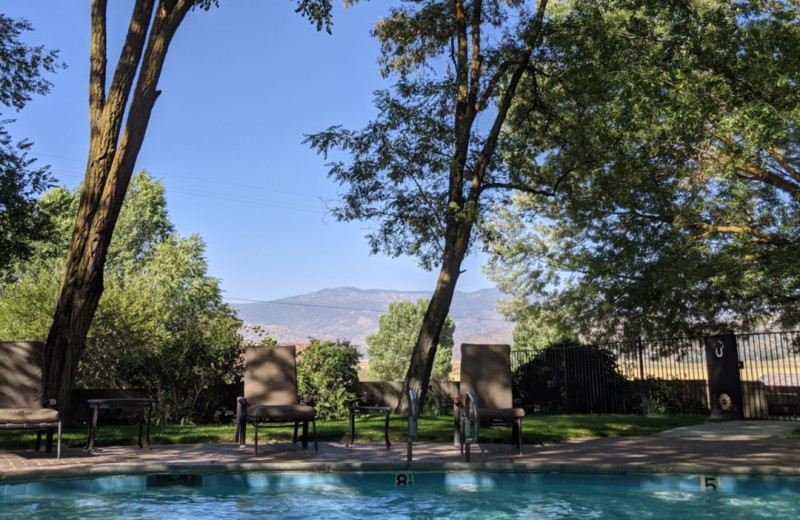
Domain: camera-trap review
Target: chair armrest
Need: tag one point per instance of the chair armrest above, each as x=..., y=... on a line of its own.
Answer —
x=241, y=410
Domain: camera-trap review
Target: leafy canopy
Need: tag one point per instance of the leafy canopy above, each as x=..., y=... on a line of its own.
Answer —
x=22, y=75
x=161, y=324
x=680, y=214
x=425, y=166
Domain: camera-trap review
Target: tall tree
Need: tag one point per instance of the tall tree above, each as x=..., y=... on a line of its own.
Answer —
x=119, y=116
x=427, y=167
x=390, y=349
x=22, y=70
x=685, y=216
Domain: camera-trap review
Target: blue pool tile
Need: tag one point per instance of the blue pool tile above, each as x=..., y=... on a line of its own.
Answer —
x=128, y=483
x=255, y=480
x=102, y=484
x=266, y=481
x=38, y=488
x=12, y=490
x=232, y=481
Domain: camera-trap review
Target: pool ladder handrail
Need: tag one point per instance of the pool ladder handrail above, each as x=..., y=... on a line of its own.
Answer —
x=413, y=416
x=470, y=424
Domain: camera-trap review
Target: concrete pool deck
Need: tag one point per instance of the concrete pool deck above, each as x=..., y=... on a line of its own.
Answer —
x=726, y=448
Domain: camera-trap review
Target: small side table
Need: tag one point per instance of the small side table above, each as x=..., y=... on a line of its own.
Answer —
x=143, y=405
x=369, y=410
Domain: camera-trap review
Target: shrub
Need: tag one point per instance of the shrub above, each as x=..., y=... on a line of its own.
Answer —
x=572, y=379
x=438, y=400
x=327, y=373
x=665, y=397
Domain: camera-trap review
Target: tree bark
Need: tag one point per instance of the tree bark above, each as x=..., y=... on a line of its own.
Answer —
x=108, y=172
x=421, y=364
x=460, y=222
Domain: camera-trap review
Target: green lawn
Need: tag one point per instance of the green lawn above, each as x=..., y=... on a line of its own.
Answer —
x=538, y=429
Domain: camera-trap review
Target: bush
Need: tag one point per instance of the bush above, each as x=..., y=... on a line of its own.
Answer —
x=182, y=372
x=573, y=379
x=327, y=373
x=438, y=400
x=663, y=397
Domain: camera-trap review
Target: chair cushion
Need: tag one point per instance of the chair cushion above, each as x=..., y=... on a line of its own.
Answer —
x=27, y=415
x=290, y=412
x=501, y=413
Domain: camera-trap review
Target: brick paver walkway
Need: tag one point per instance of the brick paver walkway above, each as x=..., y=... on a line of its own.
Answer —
x=698, y=455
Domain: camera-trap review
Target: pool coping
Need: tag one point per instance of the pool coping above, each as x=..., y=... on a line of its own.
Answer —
x=776, y=457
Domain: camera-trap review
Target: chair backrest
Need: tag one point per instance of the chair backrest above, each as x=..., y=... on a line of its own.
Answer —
x=21, y=374
x=486, y=370
x=270, y=375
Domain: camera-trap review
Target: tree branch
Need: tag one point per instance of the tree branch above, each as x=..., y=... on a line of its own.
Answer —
x=518, y=187
x=476, y=57
x=504, y=105
x=97, y=61
x=125, y=72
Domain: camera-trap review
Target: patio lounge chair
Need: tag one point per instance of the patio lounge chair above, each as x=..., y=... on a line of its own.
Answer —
x=270, y=394
x=486, y=373
x=22, y=406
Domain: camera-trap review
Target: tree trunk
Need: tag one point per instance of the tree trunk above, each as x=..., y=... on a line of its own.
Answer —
x=421, y=365
x=108, y=173
x=460, y=222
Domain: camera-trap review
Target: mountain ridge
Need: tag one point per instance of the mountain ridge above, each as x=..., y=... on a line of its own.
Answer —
x=352, y=313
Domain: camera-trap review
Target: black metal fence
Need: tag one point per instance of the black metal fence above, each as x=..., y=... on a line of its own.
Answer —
x=660, y=376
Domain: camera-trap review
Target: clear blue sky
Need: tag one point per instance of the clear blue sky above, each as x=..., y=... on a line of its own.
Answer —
x=241, y=86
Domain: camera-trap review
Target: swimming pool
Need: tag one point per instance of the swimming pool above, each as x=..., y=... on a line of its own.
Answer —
x=402, y=495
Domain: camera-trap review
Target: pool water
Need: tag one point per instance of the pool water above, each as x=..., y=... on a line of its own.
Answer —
x=389, y=495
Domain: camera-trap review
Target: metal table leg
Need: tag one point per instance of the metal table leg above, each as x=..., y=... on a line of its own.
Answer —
x=386, y=430
x=92, y=429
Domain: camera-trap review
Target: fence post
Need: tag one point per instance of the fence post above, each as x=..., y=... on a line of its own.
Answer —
x=566, y=380
x=724, y=380
x=640, y=348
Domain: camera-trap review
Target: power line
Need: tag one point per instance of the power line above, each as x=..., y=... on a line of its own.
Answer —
x=194, y=192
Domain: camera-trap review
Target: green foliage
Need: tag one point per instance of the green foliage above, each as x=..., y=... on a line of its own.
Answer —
x=389, y=350
x=573, y=379
x=426, y=170
x=22, y=66
x=664, y=397
x=262, y=336
x=161, y=325
x=327, y=374
x=531, y=332
x=669, y=134
x=424, y=165
x=438, y=401
x=21, y=75
x=318, y=13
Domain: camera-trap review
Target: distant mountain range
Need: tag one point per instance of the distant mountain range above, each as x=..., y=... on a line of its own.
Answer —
x=350, y=313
